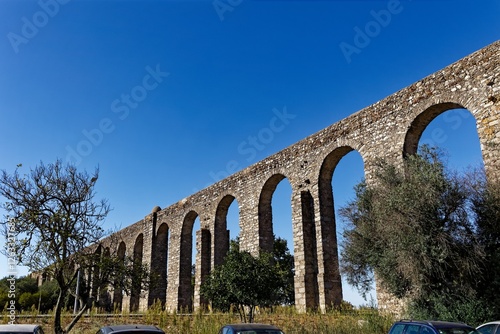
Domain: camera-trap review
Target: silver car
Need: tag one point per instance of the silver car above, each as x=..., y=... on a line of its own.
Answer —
x=21, y=329
x=130, y=329
x=250, y=328
x=492, y=327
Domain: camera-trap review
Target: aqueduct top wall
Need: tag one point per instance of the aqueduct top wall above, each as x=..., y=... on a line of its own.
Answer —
x=389, y=129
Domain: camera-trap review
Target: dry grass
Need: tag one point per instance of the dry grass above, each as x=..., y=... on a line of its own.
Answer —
x=366, y=321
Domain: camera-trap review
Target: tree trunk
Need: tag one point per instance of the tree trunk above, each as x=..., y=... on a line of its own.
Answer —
x=241, y=311
x=57, y=312
x=250, y=313
x=73, y=322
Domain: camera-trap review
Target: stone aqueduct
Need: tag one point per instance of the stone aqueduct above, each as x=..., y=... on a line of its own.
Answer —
x=390, y=128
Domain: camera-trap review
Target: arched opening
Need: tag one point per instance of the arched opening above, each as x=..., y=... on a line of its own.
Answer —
x=118, y=286
x=186, y=264
x=159, y=265
x=224, y=219
x=283, y=232
x=282, y=213
x=219, y=247
x=454, y=131
x=135, y=292
x=331, y=277
x=266, y=233
x=233, y=220
x=275, y=222
x=420, y=123
x=348, y=173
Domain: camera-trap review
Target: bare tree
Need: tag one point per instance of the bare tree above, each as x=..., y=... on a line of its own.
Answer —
x=54, y=217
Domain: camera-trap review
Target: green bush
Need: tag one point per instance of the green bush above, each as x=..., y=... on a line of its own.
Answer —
x=28, y=300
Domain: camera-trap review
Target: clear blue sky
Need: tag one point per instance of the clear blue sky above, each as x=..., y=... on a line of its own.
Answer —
x=162, y=95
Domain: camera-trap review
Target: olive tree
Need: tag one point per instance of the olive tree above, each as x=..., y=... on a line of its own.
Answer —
x=245, y=282
x=417, y=227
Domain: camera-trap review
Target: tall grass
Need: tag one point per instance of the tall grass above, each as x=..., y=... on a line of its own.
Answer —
x=353, y=321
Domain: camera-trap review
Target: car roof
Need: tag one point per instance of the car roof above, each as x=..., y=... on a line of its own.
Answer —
x=19, y=327
x=249, y=326
x=497, y=322
x=130, y=328
x=439, y=324
x=448, y=324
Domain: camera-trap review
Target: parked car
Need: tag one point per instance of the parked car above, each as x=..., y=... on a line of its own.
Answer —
x=431, y=327
x=492, y=327
x=21, y=329
x=250, y=328
x=130, y=329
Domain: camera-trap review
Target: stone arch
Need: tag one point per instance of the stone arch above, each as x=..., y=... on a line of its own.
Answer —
x=221, y=233
x=186, y=260
x=118, y=287
x=104, y=291
x=421, y=121
x=159, y=265
x=135, y=292
x=329, y=277
x=266, y=237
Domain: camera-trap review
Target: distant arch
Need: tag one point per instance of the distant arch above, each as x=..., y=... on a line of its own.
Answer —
x=135, y=292
x=186, y=260
x=104, y=300
x=159, y=265
x=118, y=285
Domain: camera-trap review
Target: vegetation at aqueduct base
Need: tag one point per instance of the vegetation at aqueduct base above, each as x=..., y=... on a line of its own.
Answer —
x=430, y=235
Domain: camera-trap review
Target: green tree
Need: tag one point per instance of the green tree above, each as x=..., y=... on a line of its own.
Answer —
x=486, y=207
x=285, y=265
x=243, y=281
x=415, y=227
x=54, y=226
x=26, y=290
x=28, y=300
x=49, y=292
